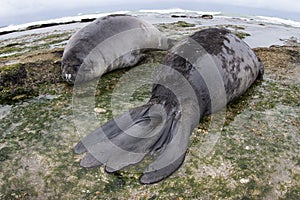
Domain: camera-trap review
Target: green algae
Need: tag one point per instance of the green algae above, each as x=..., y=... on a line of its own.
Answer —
x=241, y=35
x=184, y=24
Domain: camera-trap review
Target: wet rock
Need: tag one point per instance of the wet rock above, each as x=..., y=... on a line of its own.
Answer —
x=99, y=110
x=24, y=80
x=241, y=35
x=87, y=20
x=179, y=16
x=184, y=24
x=48, y=25
x=13, y=75
x=207, y=17
x=6, y=32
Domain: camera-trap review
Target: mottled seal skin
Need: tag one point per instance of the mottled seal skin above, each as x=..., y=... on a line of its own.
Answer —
x=108, y=43
x=199, y=76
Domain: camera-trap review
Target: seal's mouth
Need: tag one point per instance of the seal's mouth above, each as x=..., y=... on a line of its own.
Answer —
x=69, y=74
x=70, y=78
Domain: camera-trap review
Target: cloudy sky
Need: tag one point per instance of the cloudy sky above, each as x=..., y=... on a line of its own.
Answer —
x=22, y=11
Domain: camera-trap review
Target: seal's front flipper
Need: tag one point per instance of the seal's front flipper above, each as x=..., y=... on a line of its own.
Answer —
x=261, y=72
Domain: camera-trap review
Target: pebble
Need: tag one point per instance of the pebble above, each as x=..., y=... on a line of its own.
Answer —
x=244, y=180
x=99, y=110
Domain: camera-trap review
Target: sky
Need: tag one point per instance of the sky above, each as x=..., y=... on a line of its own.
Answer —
x=23, y=11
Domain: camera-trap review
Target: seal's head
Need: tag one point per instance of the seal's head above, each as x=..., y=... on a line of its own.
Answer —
x=72, y=60
x=69, y=70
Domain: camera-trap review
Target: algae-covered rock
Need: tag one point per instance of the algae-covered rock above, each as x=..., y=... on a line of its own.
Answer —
x=241, y=35
x=12, y=75
x=184, y=24
x=24, y=80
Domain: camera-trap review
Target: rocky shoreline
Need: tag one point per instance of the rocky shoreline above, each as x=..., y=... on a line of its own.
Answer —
x=23, y=70
x=256, y=156
x=23, y=80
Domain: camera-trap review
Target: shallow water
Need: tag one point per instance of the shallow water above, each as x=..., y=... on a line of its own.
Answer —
x=4, y=111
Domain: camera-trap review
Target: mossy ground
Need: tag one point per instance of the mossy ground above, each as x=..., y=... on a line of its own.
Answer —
x=255, y=156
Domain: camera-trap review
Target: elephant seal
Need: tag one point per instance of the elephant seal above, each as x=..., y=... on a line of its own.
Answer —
x=199, y=76
x=109, y=43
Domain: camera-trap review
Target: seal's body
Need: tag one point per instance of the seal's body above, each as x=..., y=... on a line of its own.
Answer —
x=199, y=76
x=108, y=43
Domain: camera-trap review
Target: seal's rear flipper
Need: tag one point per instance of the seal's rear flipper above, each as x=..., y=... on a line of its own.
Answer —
x=155, y=174
x=89, y=161
x=126, y=140
x=109, y=130
x=171, y=157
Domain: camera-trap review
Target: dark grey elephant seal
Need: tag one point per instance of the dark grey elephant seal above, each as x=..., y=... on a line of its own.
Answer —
x=108, y=43
x=201, y=74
